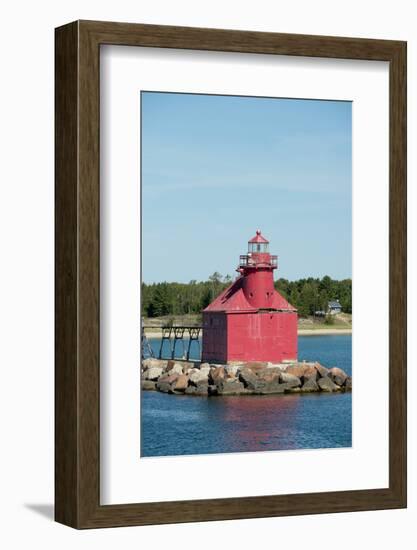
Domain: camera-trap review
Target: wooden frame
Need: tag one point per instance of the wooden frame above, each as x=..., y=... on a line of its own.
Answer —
x=77, y=373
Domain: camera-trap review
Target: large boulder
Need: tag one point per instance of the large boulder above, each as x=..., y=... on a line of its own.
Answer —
x=230, y=386
x=166, y=383
x=164, y=387
x=153, y=373
x=310, y=385
x=326, y=384
x=268, y=388
x=231, y=370
x=338, y=376
x=181, y=383
x=176, y=368
x=148, y=385
x=248, y=378
x=212, y=389
x=153, y=362
x=205, y=369
x=199, y=389
x=269, y=375
x=321, y=370
x=168, y=378
x=296, y=370
x=197, y=375
x=306, y=370
x=216, y=373
x=170, y=364
x=280, y=366
x=274, y=369
x=291, y=380
x=347, y=386
x=256, y=366
x=292, y=390
x=310, y=371
x=202, y=389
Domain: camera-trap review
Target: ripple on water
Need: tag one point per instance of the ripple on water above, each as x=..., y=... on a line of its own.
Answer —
x=185, y=425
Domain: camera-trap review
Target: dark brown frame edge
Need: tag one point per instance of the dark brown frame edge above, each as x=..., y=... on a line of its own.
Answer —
x=77, y=274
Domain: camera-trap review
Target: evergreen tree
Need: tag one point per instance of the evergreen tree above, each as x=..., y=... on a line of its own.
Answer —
x=160, y=301
x=307, y=295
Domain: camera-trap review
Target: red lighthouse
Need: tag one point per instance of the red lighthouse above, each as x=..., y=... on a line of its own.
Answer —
x=250, y=320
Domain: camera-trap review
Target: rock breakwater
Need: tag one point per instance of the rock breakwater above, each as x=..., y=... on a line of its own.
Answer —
x=204, y=379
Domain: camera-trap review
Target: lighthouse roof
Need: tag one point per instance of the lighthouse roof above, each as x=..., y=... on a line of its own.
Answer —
x=233, y=300
x=258, y=238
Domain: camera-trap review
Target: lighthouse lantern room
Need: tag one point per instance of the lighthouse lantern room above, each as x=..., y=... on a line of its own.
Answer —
x=250, y=320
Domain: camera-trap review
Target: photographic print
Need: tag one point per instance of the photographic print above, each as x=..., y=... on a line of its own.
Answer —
x=246, y=290
x=213, y=190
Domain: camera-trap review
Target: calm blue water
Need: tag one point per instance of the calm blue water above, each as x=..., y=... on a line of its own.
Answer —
x=185, y=425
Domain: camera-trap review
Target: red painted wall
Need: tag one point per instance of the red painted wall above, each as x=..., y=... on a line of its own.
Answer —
x=265, y=336
x=214, y=347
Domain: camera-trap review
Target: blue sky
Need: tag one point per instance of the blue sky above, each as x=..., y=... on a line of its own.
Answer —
x=216, y=168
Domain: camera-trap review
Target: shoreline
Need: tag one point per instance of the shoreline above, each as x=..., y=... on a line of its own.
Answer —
x=323, y=331
x=154, y=334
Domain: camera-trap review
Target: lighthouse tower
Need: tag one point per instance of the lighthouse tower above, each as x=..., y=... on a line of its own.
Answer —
x=250, y=320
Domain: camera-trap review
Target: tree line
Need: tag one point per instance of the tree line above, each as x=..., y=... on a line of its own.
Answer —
x=307, y=295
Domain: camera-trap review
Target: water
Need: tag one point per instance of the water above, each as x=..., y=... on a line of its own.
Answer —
x=185, y=425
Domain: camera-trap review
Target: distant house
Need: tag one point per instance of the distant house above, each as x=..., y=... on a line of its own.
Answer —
x=334, y=307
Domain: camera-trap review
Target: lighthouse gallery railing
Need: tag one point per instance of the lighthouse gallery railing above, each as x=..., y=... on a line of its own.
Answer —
x=246, y=261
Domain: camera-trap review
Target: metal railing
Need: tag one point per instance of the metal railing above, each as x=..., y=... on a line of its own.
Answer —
x=173, y=335
x=247, y=261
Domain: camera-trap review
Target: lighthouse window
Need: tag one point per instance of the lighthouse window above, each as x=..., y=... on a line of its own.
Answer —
x=258, y=248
